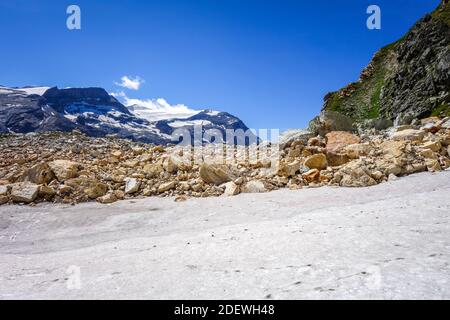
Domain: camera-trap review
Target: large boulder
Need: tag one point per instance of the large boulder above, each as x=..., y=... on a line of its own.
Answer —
x=288, y=169
x=354, y=151
x=409, y=135
x=215, y=173
x=329, y=121
x=39, y=174
x=354, y=174
x=432, y=145
x=65, y=169
x=393, y=157
x=25, y=192
x=175, y=163
x=337, y=141
x=290, y=136
x=393, y=149
x=90, y=187
x=316, y=161
x=400, y=158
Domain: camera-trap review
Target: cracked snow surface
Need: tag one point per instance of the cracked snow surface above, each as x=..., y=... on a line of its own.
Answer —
x=390, y=241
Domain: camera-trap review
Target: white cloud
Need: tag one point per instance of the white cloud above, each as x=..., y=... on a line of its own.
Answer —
x=130, y=82
x=158, y=109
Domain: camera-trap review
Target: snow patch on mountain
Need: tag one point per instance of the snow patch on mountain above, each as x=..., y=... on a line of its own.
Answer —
x=25, y=90
x=213, y=112
x=179, y=124
x=34, y=90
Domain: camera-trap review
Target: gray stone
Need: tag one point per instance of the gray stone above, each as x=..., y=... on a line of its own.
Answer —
x=24, y=192
x=329, y=121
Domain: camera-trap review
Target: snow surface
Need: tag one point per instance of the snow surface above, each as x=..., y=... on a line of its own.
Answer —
x=5, y=90
x=34, y=90
x=179, y=124
x=213, y=113
x=389, y=241
x=27, y=90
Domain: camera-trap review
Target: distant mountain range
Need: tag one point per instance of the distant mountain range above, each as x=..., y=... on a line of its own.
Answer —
x=96, y=113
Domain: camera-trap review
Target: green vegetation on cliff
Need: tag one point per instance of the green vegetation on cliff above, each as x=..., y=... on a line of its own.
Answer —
x=361, y=100
x=442, y=111
x=443, y=12
x=407, y=77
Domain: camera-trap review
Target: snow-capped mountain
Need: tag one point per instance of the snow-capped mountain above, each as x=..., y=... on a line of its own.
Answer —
x=96, y=113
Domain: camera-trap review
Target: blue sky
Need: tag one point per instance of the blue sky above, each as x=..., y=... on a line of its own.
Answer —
x=268, y=62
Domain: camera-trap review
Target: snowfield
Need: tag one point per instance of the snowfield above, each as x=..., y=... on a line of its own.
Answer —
x=26, y=90
x=391, y=241
x=34, y=90
x=179, y=124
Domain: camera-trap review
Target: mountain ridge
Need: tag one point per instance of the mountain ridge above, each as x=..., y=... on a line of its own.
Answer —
x=96, y=113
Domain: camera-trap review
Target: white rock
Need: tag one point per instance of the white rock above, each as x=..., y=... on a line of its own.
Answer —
x=4, y=190
x=231, y=189
x=254, y=186
x=392, y=177
x=446, y=124
x=131, y=185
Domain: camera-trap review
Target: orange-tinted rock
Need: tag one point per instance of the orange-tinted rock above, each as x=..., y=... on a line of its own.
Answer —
x=337, y=140
x=336, y=143
x=311, y=175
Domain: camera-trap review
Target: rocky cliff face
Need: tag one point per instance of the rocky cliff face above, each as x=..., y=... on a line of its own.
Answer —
x=407, y=80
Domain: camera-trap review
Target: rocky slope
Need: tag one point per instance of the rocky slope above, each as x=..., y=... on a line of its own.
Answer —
x=406, y=80
x=72, y=167
x=96, y=113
